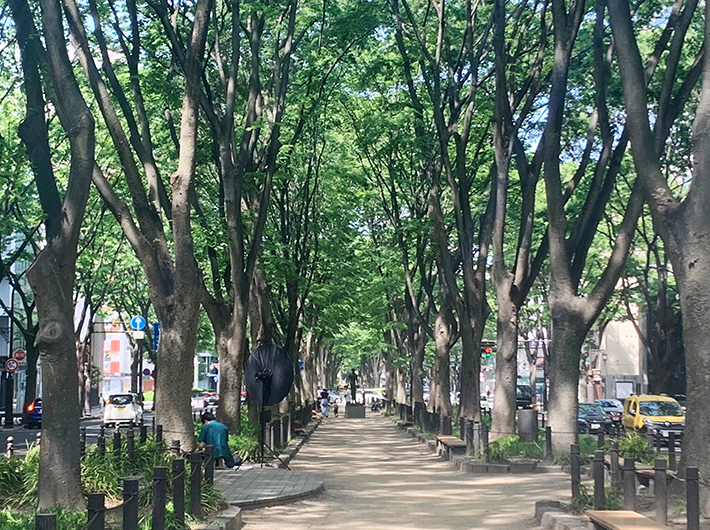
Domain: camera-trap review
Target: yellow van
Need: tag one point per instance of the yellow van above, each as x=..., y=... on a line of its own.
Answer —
x=653, y=414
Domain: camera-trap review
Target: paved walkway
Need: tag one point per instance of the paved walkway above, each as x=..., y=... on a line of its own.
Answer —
x=265, y=486
x=375, y=477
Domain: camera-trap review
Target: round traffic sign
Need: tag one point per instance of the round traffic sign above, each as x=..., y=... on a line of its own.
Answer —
x=19, y=354
x=138, y=322
x=11, y=365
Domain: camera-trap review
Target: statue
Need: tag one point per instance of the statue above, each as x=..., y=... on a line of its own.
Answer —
x=352, y=378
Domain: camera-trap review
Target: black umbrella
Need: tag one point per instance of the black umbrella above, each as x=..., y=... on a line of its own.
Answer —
x=268, y=374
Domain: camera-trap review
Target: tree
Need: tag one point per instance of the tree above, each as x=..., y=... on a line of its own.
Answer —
x=683, y=222
x=52, y=273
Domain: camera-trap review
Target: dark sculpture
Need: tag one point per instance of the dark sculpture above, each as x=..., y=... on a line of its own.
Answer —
x=353, y=384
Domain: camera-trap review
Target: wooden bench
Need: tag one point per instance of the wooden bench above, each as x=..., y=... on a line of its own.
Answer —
x=644, y=473
x=622, y=520
x=448, y=445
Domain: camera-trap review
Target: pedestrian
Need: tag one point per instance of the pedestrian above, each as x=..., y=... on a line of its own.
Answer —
x=215, y=434
x=324, y=402
x=335, y=409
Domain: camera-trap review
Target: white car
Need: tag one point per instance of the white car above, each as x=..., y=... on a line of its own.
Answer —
x=123, y=408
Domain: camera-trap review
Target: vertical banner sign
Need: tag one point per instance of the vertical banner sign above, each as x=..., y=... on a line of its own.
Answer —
x=156, y=336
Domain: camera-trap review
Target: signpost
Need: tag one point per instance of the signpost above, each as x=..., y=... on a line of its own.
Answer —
x=138, y=322
x=11, y=365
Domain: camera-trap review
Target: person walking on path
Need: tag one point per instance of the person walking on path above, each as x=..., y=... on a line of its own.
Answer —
x=215, y=434
x=324, y=402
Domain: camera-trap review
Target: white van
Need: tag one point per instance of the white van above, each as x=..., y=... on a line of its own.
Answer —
x=123, y=408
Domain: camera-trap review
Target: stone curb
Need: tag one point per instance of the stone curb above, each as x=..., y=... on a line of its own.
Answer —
x=294, y=445
x=549, y=515
x=229, y=519
x=278, y=501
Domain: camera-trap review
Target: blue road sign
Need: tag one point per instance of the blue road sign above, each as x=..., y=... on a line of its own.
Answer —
x=138, y=322
x=156, y=336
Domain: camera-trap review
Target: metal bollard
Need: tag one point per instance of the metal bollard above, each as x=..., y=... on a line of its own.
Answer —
x=96, y=513
x=130, y=442
x=615, y=470
x=10, y=447
x=46, y=521
x=484, y=440
x=692, y=497
x=143, y=433
x=599, y=496
x=38, y=438
x=196, y=484
x=462, y=428
x=117, y=443
x=575, y=470
x=179, y=491
x=600, y=439
x=209, y=464
x=548, y=442
x=660, y=487
x=175, y=447
x=469, y=436
x=671, y=452
x=158, y=434
x=101, y=441
x=130, y=503
x=160, y=486
x=82, y=442
x=629, y=477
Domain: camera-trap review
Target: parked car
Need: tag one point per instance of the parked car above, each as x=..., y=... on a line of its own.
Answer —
x=123, y=408
x=485, y=404
x=34, y=414
x=653, y=414
x=591, y=418
x=524, y=397
x=613, y=408
x=210, y=399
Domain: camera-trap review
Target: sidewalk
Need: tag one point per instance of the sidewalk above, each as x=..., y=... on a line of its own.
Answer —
x=376, y=477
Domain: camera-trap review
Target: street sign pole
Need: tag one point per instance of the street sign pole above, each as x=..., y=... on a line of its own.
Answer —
x=9, y=393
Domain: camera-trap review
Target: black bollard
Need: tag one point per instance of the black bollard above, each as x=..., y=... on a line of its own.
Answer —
x=82, y=442
x=469, y=436
x=462, y=428
x=130, y=442
x=158, y=434
x=101, y=441
x=600, y=439
x=96, y=513
x=575, y=470
x=143, y=433
x=130, y=503
x=692, y=497
x=196, y=484
x=615, y=470
x=46, y=521
x=179, y=491
x=671, y=452
x=209, y=464
x=484, y=440
x=548, y=442
x=476, y=440
x=445, y=425
x=117, y=443
x=10, y=447
x=660, y=487
x=599, y=497
x=160, y=486
x=629, y=477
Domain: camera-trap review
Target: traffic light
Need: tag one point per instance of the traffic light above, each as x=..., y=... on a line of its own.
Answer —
x=487, y=352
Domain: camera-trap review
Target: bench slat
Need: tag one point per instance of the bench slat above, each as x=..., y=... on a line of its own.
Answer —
x=623, y=520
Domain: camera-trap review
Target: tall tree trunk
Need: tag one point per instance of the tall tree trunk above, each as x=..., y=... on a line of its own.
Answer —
x=444, y=339
x=506, y=370
x=568, y=333
x=231, y=368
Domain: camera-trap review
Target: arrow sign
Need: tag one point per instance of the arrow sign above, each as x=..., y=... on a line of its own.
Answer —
x=138, y=322
x=11, y=365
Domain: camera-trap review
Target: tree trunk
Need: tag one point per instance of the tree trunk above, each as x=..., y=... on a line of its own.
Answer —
x=444, y=332
x=231, y=368
x=568, y=334
x=419, y=339
x=506, y=370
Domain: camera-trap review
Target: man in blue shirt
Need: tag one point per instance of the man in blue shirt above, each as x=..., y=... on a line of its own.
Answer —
x=215, y=434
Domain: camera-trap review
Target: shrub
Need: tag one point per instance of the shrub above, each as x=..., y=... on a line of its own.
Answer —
x=636, y=447
x=503, y=449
